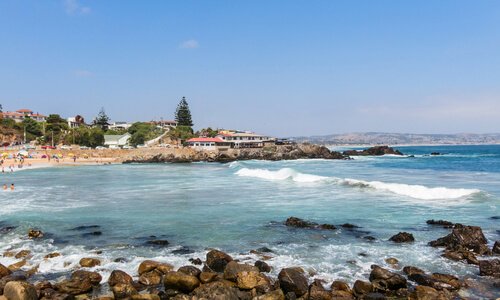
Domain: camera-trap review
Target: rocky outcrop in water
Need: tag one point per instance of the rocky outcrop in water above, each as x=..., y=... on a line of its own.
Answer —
x=273, y=153
x=373, y=151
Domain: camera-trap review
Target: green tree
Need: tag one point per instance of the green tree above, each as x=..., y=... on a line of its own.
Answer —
x=183, y=114
x=102, y=120
x=33, y=129
x=142, y=132
x=181, y=133
x=55, y=128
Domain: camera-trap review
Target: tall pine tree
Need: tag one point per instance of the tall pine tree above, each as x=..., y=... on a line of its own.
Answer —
x=183, y=114
x=102, y=120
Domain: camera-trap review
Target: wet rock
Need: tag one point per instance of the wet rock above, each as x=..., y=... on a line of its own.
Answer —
x=233, y=268
x=374, y=296
x=385, y=280
x=4, y=271
x=339, y=285
x=52, y=255
x=182, y=250
x=151, y=278
x=74, y=286
x=410, y=270
x=88, y=262
x=461, y=254
x=118, y=276
x=17, y=266
x=317, y=292
x=85, y=227
x=22, y=254
x=248, y=280
x=190, y=270
x=361, y=288
x=349, y=226
x=35, y=234
x=147, y=266
x=180, y=281
x=443, y=223
x=217, y=260
x=20, y=290
x=7, y=229
x=490, y=268
x=300, y=223
x=424, y=293
x=94, y=277
x=123, y=291
x=291, y=280
x=392, y=261
x=145, y=297
x=206, y=277
x=164, y=268
x=262, y=266
x=369, y=238
x=216, y=290
x=196, y=261
x=274, y=295
x=9, y=254
x=158, y=242
x=496, y=247
x=464, y=237
x=447, y=281
x=373, y=151
x=402, y=237
x=93, y=233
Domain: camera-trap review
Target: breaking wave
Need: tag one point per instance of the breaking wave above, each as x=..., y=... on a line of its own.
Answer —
x=409, y=190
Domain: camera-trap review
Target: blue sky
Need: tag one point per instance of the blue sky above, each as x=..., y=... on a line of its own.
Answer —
x=276, y=67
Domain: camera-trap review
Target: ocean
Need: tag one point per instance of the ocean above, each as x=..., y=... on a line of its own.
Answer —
x=241, y=206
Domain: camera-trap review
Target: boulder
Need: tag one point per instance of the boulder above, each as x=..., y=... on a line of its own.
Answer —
x=164, y=268
x=217, y=260
x=52, y=255
x=300, y=223
x=123, y=291
x=392, y=261
x=291, y=280
x=17, y=266
x=180, y=281
x=339, y=285
x=94, y=277
x=22, y=254
x=151, y=278
x=443, y=223
x=196, y=261
x=274, y=295
x=496, y=247
x=206, y=277
x=461, y=254
x=464, y=237
x=361, y=288
x=145, y=297
x=233, y=268
x=190, y=270
x=88, y=262
x=318, y=292
x=410, y=270
x=35, y=234
x=4, y=271
x=247, y=280
x=19, y=290
x=18, y=276
x=490, y=268
x=118, y=276
x=216, y=290
x=147, y=266
x=402, y=237
x=373, y=151
x=385, y=280
x=374, y=296
x=262, y=266
x=74, y=286
x=422, y=292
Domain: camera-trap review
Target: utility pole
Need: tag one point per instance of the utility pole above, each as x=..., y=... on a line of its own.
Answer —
x=52, y=138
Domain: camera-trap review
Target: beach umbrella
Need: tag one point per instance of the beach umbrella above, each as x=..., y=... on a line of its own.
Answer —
x=60, y=155
x=44, y=156
x=5, y=154
x=71, y=154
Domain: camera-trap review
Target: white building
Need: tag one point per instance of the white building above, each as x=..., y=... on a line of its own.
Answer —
x=119, y=126
x=116, y=140
x=208, y=144
x=243, y=139
x=76, y=121
x=19, y=115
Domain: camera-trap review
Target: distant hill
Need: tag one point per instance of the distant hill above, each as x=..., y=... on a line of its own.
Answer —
x=379, y=138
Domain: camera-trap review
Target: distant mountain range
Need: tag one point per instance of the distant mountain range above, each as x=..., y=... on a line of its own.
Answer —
x=382, y=138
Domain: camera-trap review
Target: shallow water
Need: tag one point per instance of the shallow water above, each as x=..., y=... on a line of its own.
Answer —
x=241, y=206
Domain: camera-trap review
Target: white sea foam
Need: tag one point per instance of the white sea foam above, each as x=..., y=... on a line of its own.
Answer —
x=413, y=191
x=282, y=174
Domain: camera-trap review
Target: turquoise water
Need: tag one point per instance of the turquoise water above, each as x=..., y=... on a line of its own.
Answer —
x=241, y=206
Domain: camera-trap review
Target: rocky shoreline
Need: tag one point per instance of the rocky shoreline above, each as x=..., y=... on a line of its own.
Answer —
x=220, y=276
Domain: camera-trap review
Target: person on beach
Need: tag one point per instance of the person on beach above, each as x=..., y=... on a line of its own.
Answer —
x=5, y=187
x=12, y=187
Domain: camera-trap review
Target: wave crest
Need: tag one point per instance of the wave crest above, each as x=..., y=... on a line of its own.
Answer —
x=282, y=174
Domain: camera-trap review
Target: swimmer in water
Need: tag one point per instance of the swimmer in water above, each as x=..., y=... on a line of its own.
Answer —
x=12, y=187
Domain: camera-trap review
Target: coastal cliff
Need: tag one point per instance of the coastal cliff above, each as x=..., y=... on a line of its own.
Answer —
x=276, y=152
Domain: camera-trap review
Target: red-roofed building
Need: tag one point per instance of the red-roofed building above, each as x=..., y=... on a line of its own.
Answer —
x=20, y=114
x=208, y=144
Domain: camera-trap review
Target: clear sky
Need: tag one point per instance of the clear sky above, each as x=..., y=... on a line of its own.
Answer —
x=276, y=67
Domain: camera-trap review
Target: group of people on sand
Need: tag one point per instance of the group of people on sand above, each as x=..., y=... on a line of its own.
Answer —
x=12, y=187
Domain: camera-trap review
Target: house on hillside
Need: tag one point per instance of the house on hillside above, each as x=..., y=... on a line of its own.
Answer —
x=76, y=121
x=19, y=115
x=164, y=124
x=116, y=140
x=244, y=139
x=208, y=144
x=120, y=126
